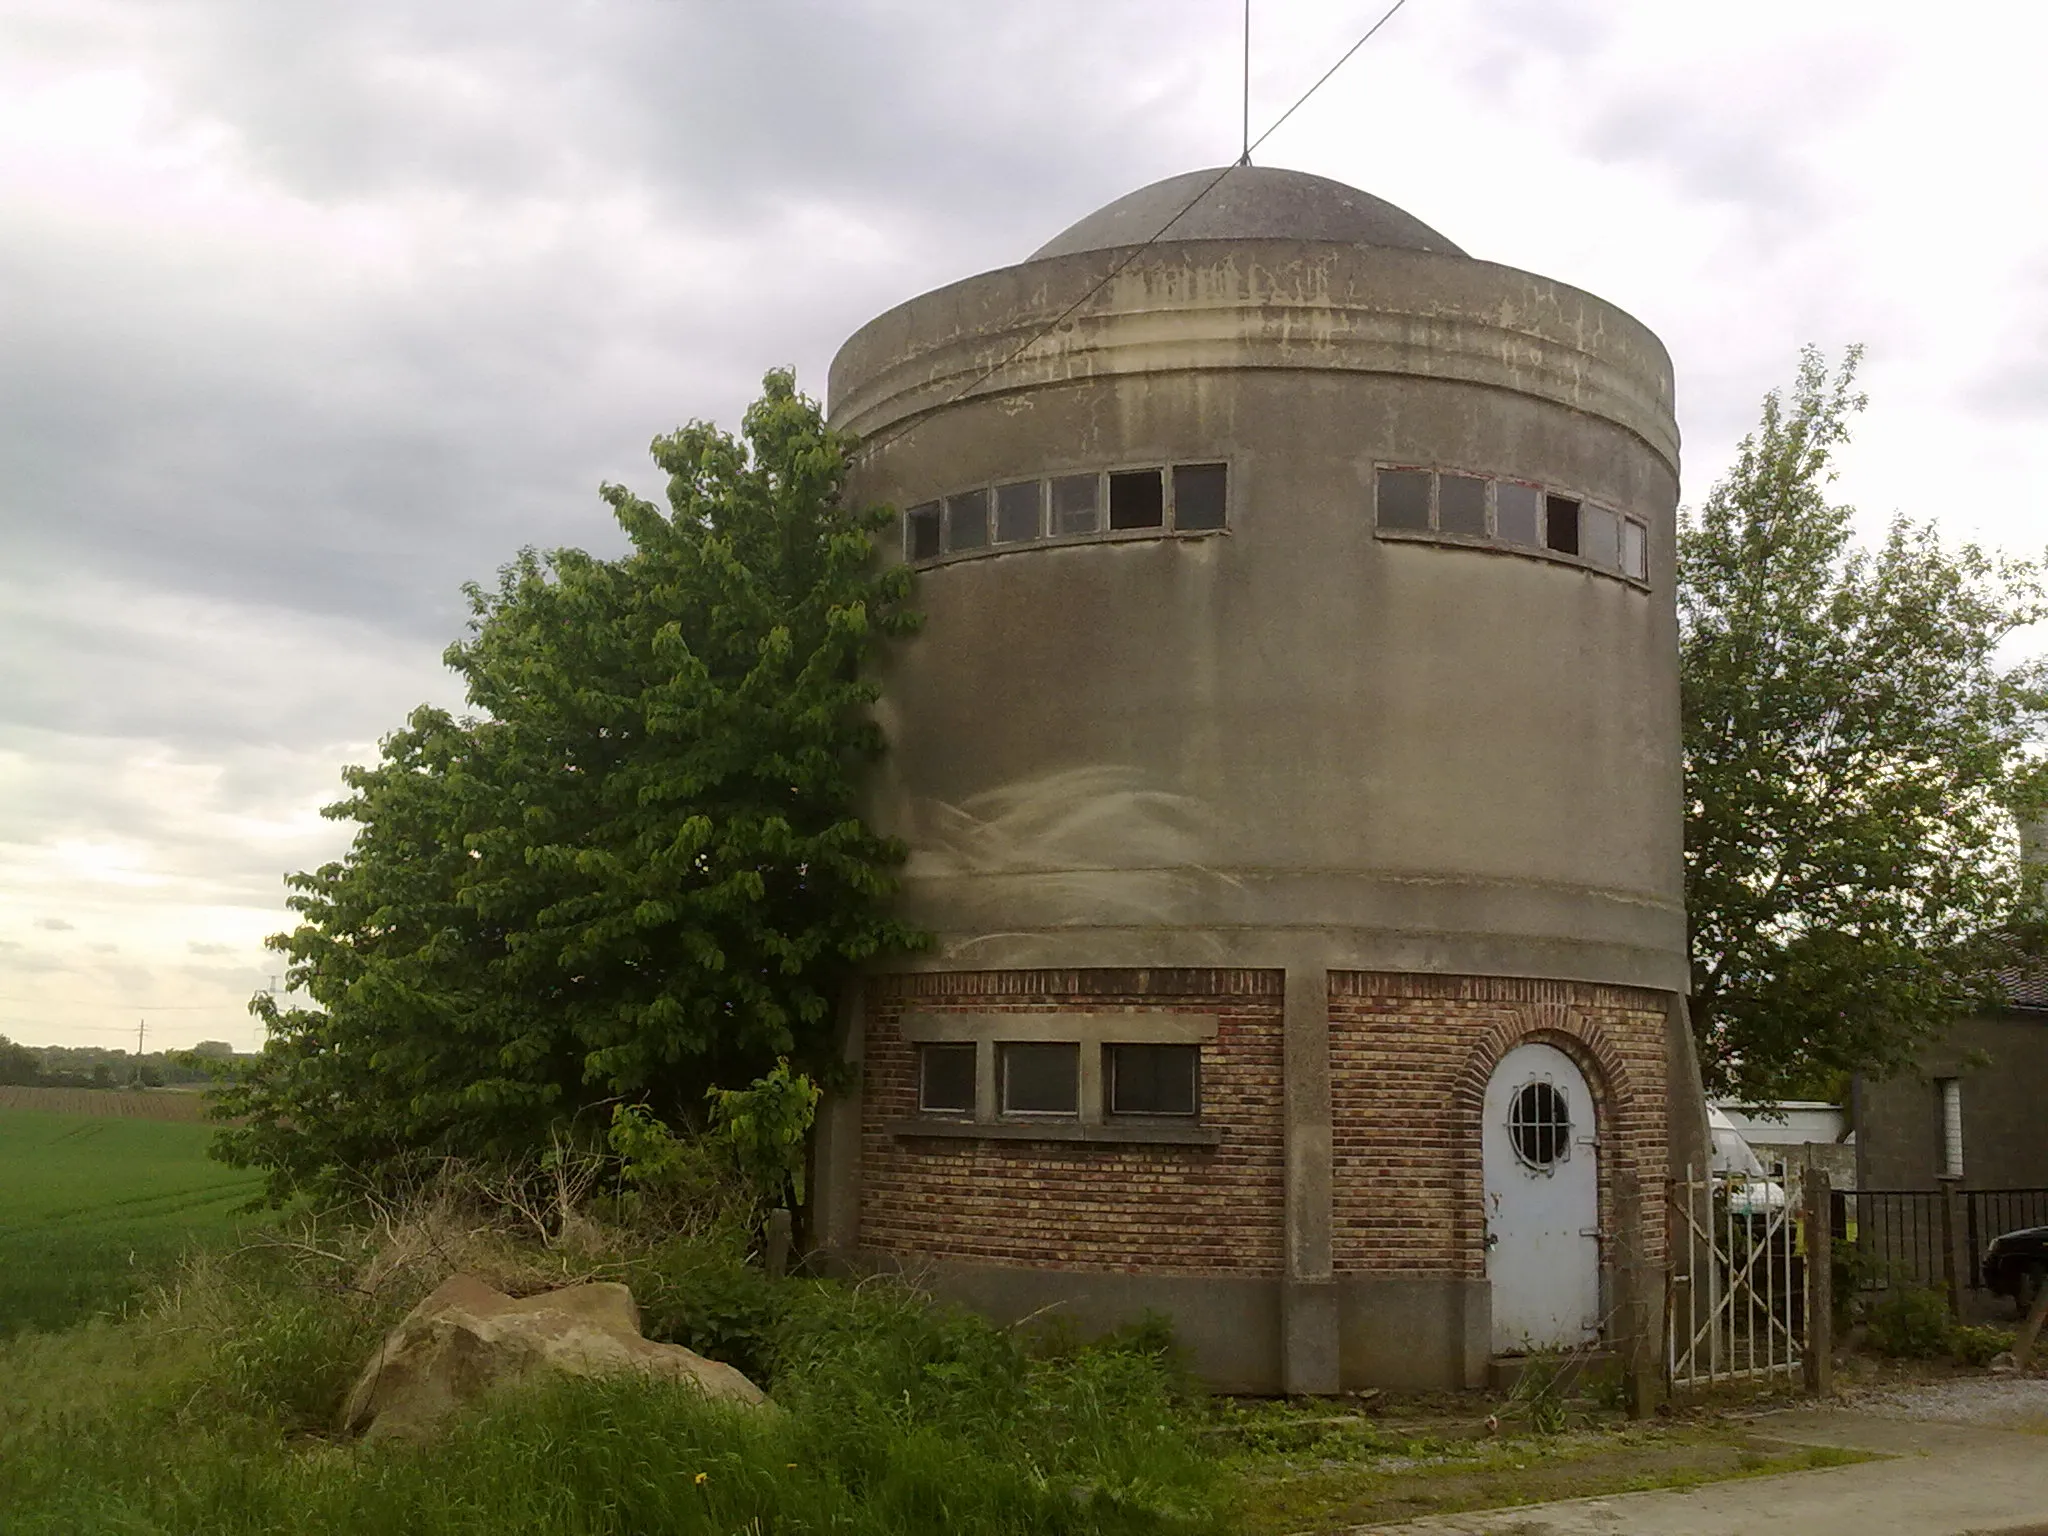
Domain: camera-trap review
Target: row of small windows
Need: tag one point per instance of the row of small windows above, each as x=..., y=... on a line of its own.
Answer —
x=1042, y=1080
x=1189, y=498
x=1512, y=514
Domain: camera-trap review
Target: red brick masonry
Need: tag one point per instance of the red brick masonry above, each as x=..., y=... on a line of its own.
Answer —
x=1189, y=1210
x=1410, y=1057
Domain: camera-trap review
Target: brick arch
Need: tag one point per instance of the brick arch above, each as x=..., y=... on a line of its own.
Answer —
x=1570, y=1030
x=1608, y=1079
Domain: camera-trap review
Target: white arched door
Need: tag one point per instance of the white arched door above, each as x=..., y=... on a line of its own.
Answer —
x=1541, y=1154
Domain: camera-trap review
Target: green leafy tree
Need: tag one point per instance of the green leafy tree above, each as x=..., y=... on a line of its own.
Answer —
x=19, y=1066
x=1854, y=750
x=638, y=870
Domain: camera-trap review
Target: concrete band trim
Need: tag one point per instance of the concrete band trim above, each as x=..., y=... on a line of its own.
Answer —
x=1240, y=306
x=1122, y=1028
x=1646, y=965
x=1105, y=1132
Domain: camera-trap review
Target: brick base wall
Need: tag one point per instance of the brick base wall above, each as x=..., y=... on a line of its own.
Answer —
x=1410, y=1056
x=1191, y=1210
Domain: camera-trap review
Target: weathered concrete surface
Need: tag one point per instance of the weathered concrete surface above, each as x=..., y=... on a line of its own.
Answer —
x=468, y=1338
x=1217, y=748
x=1937, y=1480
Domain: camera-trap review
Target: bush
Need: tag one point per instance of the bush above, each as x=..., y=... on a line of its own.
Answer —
x=1978, y=1346
x=1910, y=1323
x=895, y=1418
x=704, y=1296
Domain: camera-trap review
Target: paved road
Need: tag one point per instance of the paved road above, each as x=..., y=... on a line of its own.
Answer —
x=1938, y=1479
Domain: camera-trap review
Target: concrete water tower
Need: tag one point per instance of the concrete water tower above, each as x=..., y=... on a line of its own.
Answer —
x=1290, y=764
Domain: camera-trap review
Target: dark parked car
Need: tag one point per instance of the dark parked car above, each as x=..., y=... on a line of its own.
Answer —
x=2016, y=1264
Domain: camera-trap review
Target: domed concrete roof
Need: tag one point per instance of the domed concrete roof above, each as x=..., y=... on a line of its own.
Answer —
x=1251, y=202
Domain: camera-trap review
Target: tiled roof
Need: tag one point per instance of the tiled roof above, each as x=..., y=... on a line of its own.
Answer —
x=2026, y=983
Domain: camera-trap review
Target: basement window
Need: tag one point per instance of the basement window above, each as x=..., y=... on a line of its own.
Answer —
x=1040, y=1078
x=1076, y=505
x=1137, y=499
x=1461, y=505
x=967, y=521
x=945, y=1079
x=921, y=531
x=1404, y=499
x=1017, y=508
x=1153, y=1079
x=1561, y=524
x=1200, y=492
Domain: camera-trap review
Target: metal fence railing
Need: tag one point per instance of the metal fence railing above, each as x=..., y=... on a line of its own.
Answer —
x=1902, y=1235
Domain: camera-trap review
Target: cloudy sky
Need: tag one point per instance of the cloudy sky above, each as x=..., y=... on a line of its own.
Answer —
x=310, y=312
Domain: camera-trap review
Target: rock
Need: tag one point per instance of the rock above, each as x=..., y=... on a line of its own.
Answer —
x=467, y=1338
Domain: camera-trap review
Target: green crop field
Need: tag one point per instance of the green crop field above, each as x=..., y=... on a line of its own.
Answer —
x=94, y=1208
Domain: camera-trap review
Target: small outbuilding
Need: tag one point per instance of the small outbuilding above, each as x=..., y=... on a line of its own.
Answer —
x=1290, y=768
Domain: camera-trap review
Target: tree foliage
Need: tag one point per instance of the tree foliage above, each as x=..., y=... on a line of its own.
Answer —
x=1855, y=750
x=637, y=870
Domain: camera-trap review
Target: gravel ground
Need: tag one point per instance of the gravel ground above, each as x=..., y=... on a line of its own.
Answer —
x=1997, y=1402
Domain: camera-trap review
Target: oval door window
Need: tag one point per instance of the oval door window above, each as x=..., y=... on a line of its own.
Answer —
x=1540, y=1126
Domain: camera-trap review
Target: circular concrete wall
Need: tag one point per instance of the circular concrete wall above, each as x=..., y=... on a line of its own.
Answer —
x=1301, y=732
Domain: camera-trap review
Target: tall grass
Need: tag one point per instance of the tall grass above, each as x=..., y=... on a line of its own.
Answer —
x=892, y=1416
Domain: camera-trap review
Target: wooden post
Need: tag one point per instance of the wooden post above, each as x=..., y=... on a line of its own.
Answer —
x=1953, y=1264
x=1818, y=1196
x=777, y=1256
x=1639, y=1344
x=2030, y=1330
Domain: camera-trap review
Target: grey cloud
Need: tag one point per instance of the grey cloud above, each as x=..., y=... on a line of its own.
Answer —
x=2017, y=388
x=209, y=949
x=105, y=949
x=55, y=924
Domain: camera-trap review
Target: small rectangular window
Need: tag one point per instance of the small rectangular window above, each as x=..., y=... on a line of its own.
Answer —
x=945, y=1079
x=1516, y=511
x=1404, y=499
x=1561, y=524
x=1153, y=1079
x=1041, y=1079
x=1199, y=495
x=1600, y=538
x=967, y=521
x=1137, y=499
x=1951, y=1126
x=1461, y=505
x=921, y=531
x=1076, y=504
x=1635, y=549
x=1017, y=511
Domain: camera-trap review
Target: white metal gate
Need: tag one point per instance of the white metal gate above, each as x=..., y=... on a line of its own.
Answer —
x=1737, y=1300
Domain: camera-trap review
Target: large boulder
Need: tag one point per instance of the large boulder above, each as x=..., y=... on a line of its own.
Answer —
x=467, y=1338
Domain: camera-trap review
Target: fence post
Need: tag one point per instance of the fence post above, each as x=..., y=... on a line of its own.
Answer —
x=1637, y=1341
x=1953, y=1264
x=1818, y=1356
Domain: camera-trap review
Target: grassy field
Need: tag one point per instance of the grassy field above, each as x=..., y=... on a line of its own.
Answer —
x=94, y=1207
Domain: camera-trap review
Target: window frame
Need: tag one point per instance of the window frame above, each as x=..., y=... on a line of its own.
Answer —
x=1547, y=494
x=1049, y=535
x=1092, y=1034
x=1110, y=1048
x=924, y=1051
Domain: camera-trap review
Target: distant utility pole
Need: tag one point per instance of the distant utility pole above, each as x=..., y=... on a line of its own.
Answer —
x=140, y=1026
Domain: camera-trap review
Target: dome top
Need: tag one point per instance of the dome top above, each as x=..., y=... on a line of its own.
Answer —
x=1251, y=202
